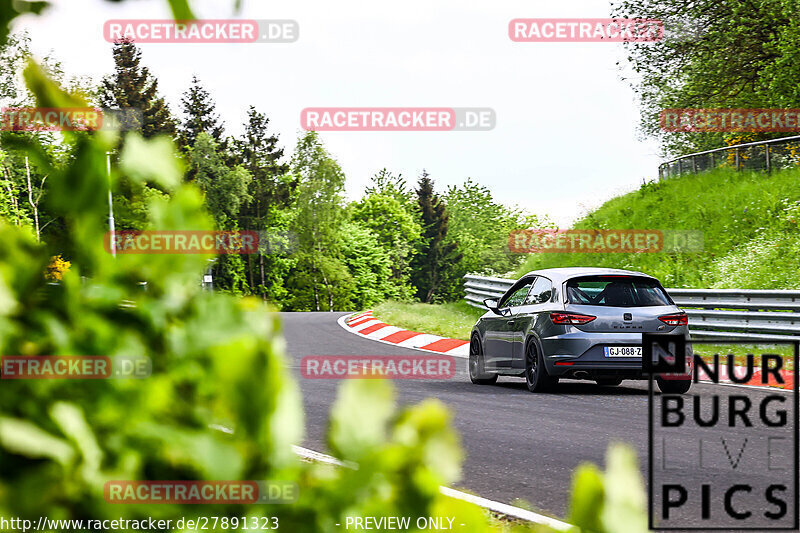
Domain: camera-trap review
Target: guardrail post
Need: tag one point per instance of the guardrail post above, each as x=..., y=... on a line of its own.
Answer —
x=766, y=147
x=737, y=158
x=713, y=164
x=694, y=165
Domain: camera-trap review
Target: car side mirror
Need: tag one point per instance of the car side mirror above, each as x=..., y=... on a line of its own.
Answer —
x=491, y=303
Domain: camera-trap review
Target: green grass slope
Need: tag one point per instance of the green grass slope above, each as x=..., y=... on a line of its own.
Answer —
x=749, y=221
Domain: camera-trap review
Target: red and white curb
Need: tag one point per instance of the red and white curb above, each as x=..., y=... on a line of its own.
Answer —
x=366, y=325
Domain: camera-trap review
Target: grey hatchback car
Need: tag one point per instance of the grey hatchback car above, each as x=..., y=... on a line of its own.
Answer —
x=575, y=323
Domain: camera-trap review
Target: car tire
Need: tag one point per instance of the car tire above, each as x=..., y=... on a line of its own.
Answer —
x=536, y=377
x=476, y=371
x=608, y=382
x=674, y=386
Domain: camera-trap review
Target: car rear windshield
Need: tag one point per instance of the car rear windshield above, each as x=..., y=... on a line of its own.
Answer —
x=616, y=291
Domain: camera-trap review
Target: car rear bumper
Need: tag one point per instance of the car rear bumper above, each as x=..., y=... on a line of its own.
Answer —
x=581, y=355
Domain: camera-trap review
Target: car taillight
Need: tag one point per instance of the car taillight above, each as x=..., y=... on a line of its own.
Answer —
x=678, y=319
x=573, y=319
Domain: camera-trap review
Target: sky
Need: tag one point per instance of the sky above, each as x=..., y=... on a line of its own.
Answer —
x=566, y=137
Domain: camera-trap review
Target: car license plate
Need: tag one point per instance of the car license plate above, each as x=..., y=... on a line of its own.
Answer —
x=623, y=351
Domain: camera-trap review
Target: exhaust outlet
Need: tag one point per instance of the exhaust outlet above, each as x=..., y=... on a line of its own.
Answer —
x=581, y=374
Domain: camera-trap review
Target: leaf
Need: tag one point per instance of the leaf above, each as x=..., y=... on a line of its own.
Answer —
x=359, y=417
x=11, y=9
x=587, y=498
x=8, y=302
x=181, y=10
x=70, y=419
x=151, y=160
x=212, y=455
x=428, y=425
x=625, y=510
x=46, y=91
x=23, y=438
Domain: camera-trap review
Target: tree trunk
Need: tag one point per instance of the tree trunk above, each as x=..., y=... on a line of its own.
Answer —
x=30, y=199
x=260, y=254
x=250, y=272
x=328, y=289
x=314, y=281
x=263, y=279
x=11, y=195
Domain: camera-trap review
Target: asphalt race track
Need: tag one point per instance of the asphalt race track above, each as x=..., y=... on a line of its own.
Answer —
x=518, y=445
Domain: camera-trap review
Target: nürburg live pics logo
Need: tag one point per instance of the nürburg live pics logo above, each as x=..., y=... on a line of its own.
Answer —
x=724, y=456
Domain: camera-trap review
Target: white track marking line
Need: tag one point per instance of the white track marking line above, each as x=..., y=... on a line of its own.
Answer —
x=497, y=507
x=385, y=331
x=418, y=341
x=361, y=315
x=459, y=351
x=365, y=325
x=506, y=509
x=322, y=458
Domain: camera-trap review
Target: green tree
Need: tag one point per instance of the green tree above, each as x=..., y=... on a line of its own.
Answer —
x=319, y=215
x=271, y=190
x=22, y=182
x=397, y=231
x=714, y=55
x=132, y=86
x=14, y=56
x=226, y=188
x=225, y=191
x=434, y=266
x=370, y=266
x=199, y=115
x=386, y=183
x=480, y=227
x=258, y=151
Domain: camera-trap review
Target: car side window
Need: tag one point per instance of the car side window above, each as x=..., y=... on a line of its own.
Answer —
x=541, y=292
x=517, y=298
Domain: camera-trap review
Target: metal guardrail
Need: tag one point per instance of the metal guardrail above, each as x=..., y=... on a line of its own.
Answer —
x=783, y=152
x=714, y=314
